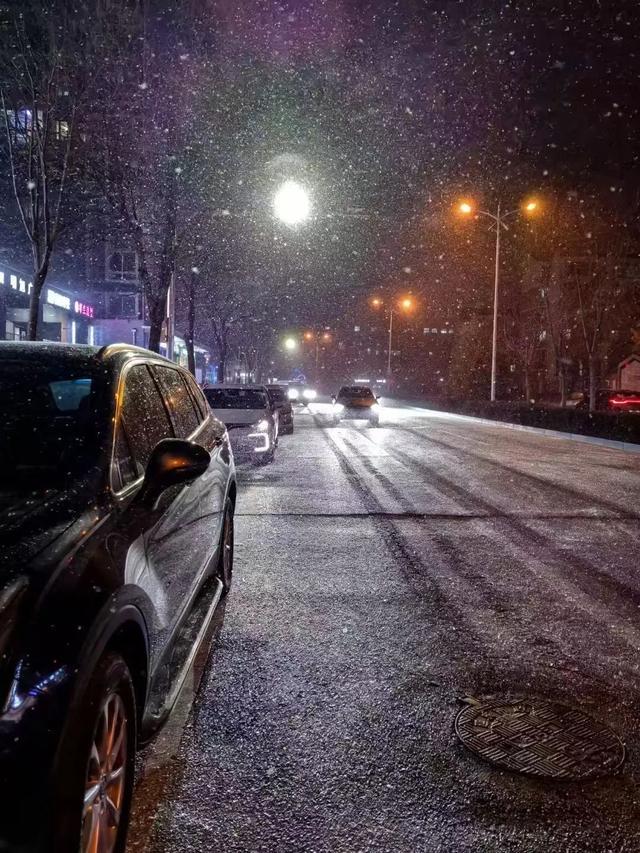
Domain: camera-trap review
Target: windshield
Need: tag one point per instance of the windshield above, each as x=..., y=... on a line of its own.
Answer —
x=48, y=433
x=236, y=398
x=356, y=393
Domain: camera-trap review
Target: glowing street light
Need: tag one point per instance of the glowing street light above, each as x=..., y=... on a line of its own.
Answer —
x=465, y=208
x=291, y=203
x=290, y=344
x=405, y=304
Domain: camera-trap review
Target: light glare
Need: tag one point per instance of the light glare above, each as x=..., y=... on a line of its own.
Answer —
x=291, y=203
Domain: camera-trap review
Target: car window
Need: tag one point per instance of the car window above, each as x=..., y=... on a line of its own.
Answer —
x=236, y=398
x=277, y=395
x=51, y=420
x=183, y=412
x=196, y=393
x=145, y=421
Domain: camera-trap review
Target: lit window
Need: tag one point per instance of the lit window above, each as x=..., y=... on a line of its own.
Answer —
x=14, y=282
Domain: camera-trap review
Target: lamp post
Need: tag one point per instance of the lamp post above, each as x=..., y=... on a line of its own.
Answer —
x=316, y=337
x=405, y=304
x=466, y=209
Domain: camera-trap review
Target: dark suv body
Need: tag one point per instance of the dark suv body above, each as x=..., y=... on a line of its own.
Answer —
x=280, y=400
x=116, y=533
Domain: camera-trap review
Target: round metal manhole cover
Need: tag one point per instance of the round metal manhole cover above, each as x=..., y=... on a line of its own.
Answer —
x=540, y=739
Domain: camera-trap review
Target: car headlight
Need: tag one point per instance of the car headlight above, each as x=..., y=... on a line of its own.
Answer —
x=309, y=394
x=261, y=426
x=292, y=393
x=338, y=407
x=10, y=599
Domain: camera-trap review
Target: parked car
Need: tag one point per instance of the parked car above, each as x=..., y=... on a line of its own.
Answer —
x=116, y=524
x=248, y=413
x=280, y=401
x=356, y=401
x=611, y=401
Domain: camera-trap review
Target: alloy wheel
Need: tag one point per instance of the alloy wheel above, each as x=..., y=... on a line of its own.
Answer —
x=105, y=780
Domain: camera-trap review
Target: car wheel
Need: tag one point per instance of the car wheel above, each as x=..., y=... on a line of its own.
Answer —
x=95, y=773
x=225, y=560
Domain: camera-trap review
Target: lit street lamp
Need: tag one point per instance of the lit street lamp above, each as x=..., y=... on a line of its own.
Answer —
x=290, y=344
x=405, y=304
x=317, y=337
x=291, y=203
x=466, y=208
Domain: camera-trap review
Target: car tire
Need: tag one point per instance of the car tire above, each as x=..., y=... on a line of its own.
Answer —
x=106, y=705
x=225, y=559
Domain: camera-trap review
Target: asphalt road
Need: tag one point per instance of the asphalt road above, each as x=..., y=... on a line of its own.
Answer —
x=382, y=574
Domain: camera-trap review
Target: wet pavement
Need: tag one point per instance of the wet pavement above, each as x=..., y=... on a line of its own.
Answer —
x=381, y=575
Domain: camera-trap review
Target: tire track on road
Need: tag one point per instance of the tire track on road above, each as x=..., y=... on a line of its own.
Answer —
x=429, y=594
x=600, y=588
x=538, y=482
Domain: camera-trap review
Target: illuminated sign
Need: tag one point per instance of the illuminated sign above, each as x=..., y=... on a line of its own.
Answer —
x=83, y=308
x=57, y=299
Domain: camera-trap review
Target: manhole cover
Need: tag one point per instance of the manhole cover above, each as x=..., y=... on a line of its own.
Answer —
x=540, y=739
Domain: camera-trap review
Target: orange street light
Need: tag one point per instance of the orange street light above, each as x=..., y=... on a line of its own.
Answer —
x=308, y=336
x=406, y=304
x=377, y=302
x=326, y=336
x=529, y=207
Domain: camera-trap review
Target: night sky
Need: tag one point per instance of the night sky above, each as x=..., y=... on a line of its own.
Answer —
x=391, y=111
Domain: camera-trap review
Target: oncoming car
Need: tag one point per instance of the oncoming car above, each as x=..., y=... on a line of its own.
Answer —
x=356, y=402
x=116, y=523
x=250, y=416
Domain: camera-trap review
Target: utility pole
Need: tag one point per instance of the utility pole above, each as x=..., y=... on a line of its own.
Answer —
x=496, y=291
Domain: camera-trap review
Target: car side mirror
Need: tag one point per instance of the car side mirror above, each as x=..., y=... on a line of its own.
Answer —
x=173, y=462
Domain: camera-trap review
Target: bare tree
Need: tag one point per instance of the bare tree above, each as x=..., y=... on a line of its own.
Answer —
x=142, y=126
x=523, y=334
x=39, y=96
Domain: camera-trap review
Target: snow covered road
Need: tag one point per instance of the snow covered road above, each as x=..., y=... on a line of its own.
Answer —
x=380, y=575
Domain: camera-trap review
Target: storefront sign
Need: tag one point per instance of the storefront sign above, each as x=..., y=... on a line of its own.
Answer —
x=58, y=299
x=83, y=308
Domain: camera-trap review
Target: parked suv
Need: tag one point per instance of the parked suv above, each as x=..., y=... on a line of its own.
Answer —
x=248, y=413
x=116, y=530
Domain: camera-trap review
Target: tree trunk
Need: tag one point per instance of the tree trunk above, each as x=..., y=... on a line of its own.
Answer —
x=39, y=279
x=156, y=306
x=593, y=382
x=527, y=384
x=563, y=386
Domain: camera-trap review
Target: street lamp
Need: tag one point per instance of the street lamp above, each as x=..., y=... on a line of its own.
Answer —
x=405, y=304
x=316, y=337
x=291, y=203
x=290, y=344
x=466, y=208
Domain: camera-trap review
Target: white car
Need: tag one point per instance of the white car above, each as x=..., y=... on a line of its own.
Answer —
x=249, y=416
